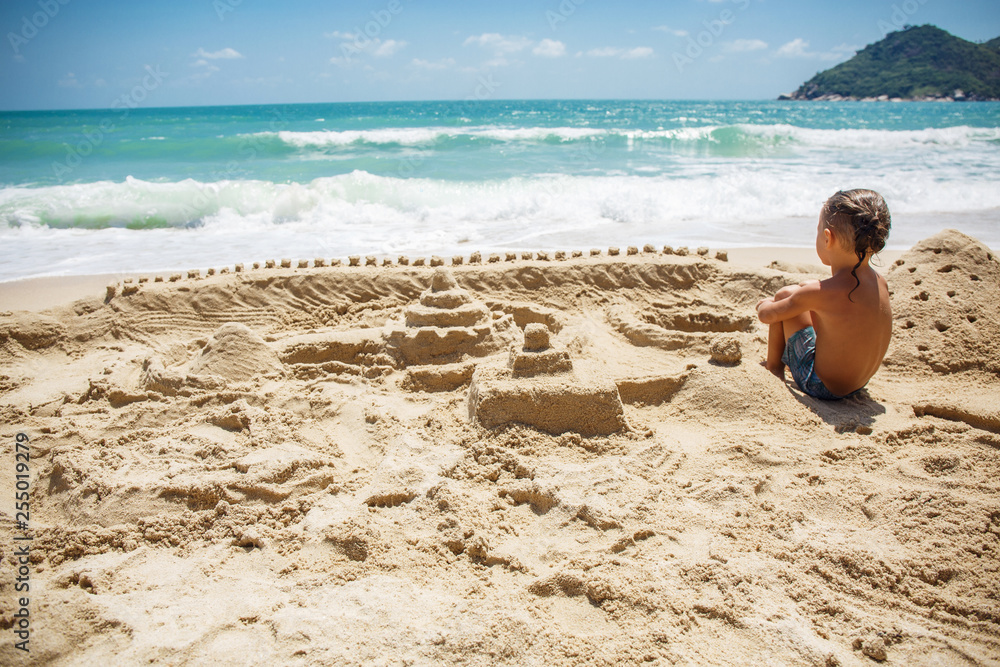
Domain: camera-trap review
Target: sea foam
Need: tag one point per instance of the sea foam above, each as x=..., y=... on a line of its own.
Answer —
x=726, y=135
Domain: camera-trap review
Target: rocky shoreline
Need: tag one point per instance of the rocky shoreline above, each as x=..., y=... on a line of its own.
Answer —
x=814, y=95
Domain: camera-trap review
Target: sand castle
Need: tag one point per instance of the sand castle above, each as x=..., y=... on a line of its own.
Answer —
x=431, y=342
x=273, y=448
x=446, y=324
x=538, y=387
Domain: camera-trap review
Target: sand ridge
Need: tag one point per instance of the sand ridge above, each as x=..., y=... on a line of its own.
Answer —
x=258, y=466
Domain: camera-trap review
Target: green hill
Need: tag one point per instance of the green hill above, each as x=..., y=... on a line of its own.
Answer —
x=922, y=62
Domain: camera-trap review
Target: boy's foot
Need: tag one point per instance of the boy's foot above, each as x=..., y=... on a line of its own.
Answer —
x=778, y=370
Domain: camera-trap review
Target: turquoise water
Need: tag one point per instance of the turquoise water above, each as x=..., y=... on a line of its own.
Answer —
x=157, y=189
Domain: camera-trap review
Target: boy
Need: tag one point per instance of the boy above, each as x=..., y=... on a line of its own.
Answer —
x=834, y=333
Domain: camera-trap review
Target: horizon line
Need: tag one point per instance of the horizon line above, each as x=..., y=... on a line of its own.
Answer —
x=405, y=101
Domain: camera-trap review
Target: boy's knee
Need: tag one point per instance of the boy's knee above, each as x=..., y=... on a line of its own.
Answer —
x=785, y=292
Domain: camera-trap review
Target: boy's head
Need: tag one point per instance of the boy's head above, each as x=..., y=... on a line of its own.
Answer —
x=859, y=219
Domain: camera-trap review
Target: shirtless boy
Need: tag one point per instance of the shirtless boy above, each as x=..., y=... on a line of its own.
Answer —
x=834, y=333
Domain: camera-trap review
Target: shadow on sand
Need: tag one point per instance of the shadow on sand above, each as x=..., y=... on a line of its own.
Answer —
x=855, y=413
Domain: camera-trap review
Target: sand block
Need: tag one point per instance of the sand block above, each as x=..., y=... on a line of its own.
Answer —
x=428, y=345
x=452, y=298
x=466, y=315
x=536, y=357
x=525, y=363
x=554, y=404
x=536, y=337
x=650, y=389
x=446, y=377
x=343, y=346
x=445, y=304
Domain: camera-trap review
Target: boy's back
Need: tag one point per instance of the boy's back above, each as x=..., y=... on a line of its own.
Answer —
x=852, y=335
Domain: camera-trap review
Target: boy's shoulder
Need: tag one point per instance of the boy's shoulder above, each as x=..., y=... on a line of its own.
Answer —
x=838, y=282
x=834, y=287
x=812, y=287
x=843, y=284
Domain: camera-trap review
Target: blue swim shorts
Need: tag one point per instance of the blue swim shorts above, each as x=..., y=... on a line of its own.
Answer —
x=800, y=357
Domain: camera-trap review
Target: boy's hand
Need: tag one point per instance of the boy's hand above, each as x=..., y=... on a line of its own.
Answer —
x=761, y=303
x=789, y=302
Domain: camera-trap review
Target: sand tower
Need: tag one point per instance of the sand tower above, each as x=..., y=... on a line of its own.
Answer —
x=446, y=325
x=539, y=387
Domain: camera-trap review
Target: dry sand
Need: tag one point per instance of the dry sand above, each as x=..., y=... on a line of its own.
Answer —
x=290, y=466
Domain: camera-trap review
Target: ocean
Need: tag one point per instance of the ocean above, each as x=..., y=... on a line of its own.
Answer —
x=147, y=190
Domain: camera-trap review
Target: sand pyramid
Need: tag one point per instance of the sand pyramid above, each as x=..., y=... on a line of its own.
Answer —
x=446, y=325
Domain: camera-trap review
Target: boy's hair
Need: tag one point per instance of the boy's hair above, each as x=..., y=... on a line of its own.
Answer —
x=860, y=220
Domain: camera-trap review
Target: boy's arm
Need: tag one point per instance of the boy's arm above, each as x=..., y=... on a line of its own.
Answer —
x=779, y=308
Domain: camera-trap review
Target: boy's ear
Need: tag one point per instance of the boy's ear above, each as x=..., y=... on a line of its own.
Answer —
x=828, y=238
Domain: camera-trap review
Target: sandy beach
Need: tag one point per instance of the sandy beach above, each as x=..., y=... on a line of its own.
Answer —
x=544, y=460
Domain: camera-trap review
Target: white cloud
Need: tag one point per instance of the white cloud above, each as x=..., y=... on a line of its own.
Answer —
x=794, y=49
x=351, y=48
x=224, y=54
x=799, y=48
x=70, y=81
x=605, y=52
x=550, y=48
x=205, y=65
x=387, y=48
x=625, y=54
x=446, y=63
x=637, y=53
x=671, y=31
x=843, y=51
x=498, y=43
x=744, y=45
x=499, y=61
x=336, y=34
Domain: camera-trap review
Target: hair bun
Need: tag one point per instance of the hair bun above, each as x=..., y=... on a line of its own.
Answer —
x=861, y=216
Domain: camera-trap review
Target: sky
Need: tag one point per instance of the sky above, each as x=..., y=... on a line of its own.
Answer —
x=77, y=54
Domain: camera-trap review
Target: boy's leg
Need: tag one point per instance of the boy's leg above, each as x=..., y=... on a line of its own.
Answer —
x=779, y=333
x=776, y=349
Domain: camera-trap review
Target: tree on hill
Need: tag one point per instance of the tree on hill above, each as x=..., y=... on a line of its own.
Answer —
x=913, y=63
